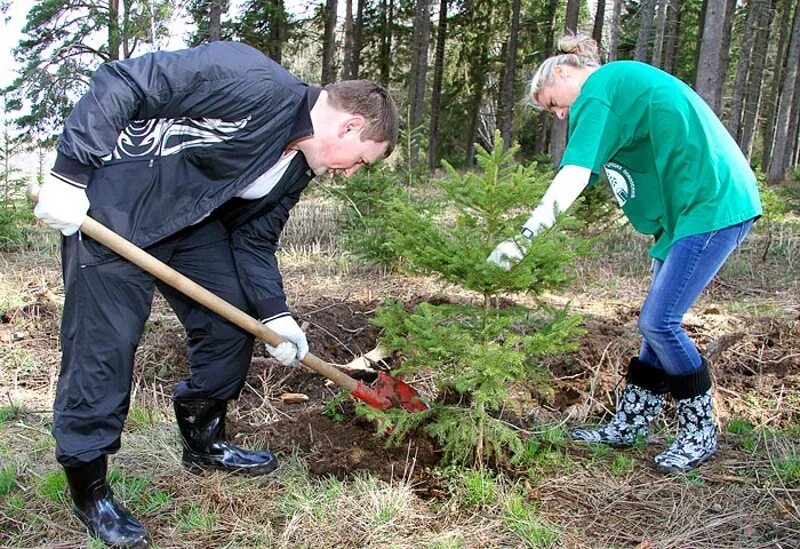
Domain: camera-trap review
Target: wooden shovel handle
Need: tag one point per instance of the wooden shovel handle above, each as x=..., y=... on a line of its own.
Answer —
x=165, y=273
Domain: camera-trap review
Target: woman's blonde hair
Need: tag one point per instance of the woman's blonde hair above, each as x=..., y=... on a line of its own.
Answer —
x=576, y=50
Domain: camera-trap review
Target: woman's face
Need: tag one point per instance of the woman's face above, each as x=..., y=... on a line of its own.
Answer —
x=559, y=96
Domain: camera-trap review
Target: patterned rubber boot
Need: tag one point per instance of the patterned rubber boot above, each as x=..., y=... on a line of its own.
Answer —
x=697, y=434
x=639, y=404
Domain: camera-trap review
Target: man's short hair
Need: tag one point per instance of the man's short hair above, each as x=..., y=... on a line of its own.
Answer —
x=372, y=101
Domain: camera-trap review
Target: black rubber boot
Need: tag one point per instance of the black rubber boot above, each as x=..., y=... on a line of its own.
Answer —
x=202, y=426
x=639, y=404
x=94, y=504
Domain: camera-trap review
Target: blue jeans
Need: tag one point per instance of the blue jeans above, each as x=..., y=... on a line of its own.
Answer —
x=678, y=281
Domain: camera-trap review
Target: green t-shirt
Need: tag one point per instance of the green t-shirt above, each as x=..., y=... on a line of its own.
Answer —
x=673, y=167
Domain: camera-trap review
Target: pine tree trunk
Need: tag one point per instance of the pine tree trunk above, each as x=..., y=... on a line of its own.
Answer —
x=558, y=133
x=778, y=161
x=647, y=9
x=114, y=36
x=507, y=98
x=419, y=71
x=347, y=61
x=725, y=52
x=599, y=17
x=277, y=31
x=385, y=62
x=661, y=29
x=794, y=126
x=710, y=75
x=543, y=120
x=436, y=92
x=771, y=100
x=672, y=35
x=753, y=98
x=613, y=40
x=358, y=33
x=743, y=69
x=475, y=119
x=215, y=21
x=329, y=43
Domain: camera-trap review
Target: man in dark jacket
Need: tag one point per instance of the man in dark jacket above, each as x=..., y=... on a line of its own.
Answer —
x=197, y=156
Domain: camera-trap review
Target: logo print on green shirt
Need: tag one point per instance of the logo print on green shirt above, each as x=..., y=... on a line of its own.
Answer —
x=621, y=182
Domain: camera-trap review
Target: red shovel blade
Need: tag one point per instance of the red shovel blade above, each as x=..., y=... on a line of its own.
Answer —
x=398, y=392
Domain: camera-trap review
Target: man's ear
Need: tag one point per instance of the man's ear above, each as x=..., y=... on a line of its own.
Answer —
x=352, y=124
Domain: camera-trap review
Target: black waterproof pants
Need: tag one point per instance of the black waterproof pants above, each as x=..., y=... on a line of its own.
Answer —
x=105, y=310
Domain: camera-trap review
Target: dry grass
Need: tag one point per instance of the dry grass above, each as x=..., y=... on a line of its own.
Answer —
x=570, y=496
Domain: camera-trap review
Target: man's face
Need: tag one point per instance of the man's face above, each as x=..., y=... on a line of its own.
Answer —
x=342, y=152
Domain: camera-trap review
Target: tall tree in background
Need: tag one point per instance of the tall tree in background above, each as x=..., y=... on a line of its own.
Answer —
x=63, y=42
x=710, y=76
x=543, y=119
x=387, y=21
x=599, y=19
x=661, y=31
x=418, y=74
x=783, y=148
x=475, y=55
x=613, y=35
x=772, y=94
x=558, y=133
x=743, y=69
x=647, y=10
x=507, y=96
x=329, y=43
x=436, y=91
x=756, y=78
x=673, y=29
x=358, y=34
x=264, y=24
x=349, y=29
x=207, y=15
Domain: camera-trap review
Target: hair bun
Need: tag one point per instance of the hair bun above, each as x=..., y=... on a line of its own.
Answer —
x=579, y=44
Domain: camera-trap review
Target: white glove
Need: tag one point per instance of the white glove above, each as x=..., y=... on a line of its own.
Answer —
x=62, y=204
x=506, y=254
x=295, y=345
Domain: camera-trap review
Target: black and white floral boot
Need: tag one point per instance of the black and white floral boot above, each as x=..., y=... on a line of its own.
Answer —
x=697, y=433
x=639, y=404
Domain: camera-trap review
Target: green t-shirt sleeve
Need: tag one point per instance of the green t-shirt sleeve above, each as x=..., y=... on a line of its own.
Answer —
x=595, y=134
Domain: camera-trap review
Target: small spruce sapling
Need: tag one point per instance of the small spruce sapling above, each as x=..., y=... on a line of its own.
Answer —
x=477, y=351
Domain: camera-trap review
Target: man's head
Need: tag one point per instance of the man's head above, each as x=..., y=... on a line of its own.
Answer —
x=355, y=123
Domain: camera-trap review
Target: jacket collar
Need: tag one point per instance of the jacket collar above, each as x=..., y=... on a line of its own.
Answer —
x=302, y=123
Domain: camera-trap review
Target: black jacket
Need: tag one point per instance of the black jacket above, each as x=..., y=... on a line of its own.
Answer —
x=165, y=139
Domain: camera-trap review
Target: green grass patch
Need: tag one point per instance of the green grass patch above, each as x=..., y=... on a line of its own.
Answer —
x=303, y=496
x=196, y=518
x=136, y=492
x=456, y=543
x=788, y=467
x=53, y=487
x=14, y=505
x=8, y=478
x=622, y=465
x=523, y=520
x=9, y=413
x=141, y=418
x=693, y=478
x=479, y=488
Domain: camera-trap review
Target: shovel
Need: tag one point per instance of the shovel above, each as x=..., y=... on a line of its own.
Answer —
x=386, y=391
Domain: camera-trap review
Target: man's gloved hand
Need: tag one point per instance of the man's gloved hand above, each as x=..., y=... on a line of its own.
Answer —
x=295, y=345
x=506, y=254
x=62, y=204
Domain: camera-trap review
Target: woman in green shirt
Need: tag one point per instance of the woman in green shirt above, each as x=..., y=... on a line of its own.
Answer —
x=677, y=175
